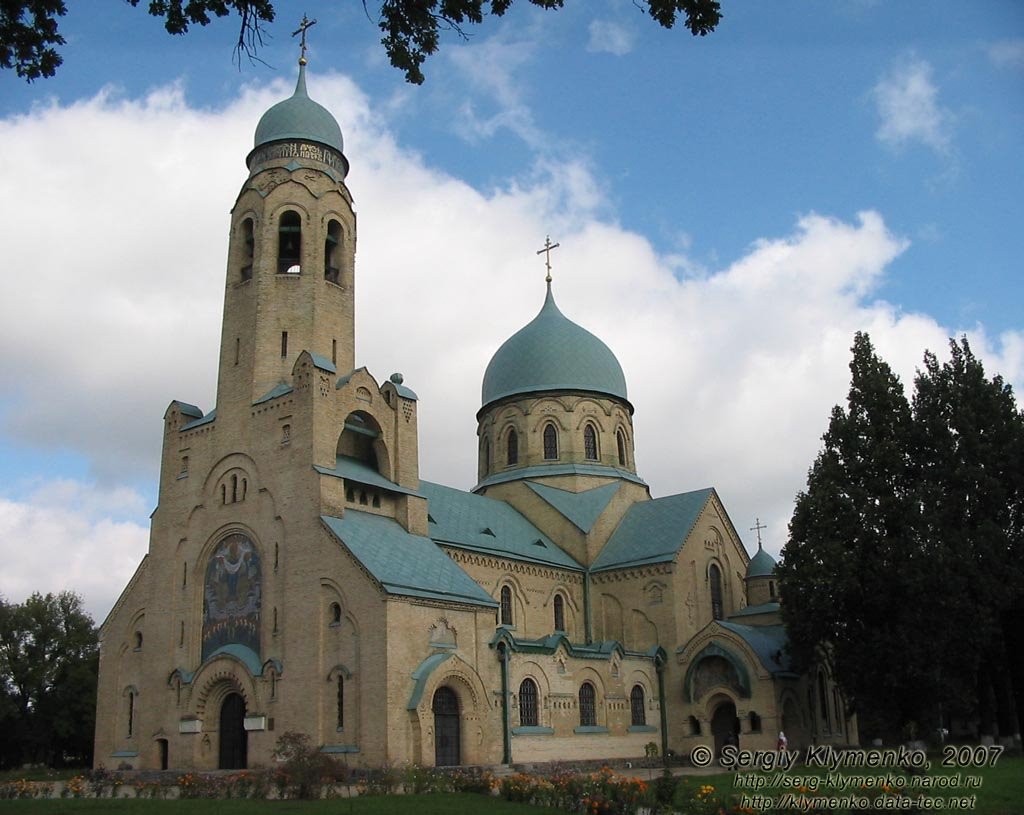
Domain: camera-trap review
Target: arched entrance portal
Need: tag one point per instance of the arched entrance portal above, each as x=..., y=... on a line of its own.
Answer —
x=724, y=726
x=447, y=745
x=234, y=741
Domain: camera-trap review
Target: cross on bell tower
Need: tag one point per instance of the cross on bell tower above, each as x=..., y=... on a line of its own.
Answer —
x=304, y=26
x=548, y=246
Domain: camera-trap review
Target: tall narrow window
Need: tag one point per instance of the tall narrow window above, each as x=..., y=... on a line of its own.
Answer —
x=559, y=604
x=334, y=351
x=234, y=489
x=335, y=613
x=550, y=442
x=131, y=713
x=238, y=348
x=637, y=708
x=245, y=273
x=590, y=443
x=715, y=579
x=506, y=605
x=528, y=703
x=486, y=454
x=284, y=343
x=513, y=447
x=289, y=243
x=588, y=705
x=181, y=634
x=332, y=253
x=620, y=442
x=823, y=704
x=341, y=701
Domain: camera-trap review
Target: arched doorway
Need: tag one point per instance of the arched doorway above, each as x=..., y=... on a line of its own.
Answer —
x=234, y=741
x=447, y=744
x=725, y=726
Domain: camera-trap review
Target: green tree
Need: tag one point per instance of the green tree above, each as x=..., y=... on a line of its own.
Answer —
x=48, y=666
x=969, y=447
x=850, y=570
x=29, y=34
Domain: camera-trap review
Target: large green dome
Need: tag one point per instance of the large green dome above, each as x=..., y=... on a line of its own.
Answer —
x=761, y=565
x=552, y=353
x=299, y=117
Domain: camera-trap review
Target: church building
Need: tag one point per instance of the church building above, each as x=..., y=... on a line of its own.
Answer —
x=301, y=576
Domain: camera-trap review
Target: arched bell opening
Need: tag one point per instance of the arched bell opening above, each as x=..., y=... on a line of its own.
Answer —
x=332, y=253
x=289, y=243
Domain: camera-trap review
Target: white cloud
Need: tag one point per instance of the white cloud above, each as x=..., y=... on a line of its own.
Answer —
x=907, y=103
x=611, y=38
x=66, y=535
x=1007, y=53
x=115, y=309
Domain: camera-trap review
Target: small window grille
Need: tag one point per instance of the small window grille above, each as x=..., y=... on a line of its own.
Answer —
x=506, y=605
x=528, y=703
x=550, y=442
x=590, y=443
x=637, y=709
x=588, y=705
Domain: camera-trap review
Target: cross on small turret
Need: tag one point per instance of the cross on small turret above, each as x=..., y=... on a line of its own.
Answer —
x=758, y=526
x=305, y=25
x=548, y=246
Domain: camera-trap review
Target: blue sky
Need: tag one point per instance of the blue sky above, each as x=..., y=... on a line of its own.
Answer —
x=731, y=209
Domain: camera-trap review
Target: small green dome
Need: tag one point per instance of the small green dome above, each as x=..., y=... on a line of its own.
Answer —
x=299, y=117
x=552, y=353
x=761, y=565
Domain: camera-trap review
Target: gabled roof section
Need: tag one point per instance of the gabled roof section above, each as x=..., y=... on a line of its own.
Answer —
x=767, y=641
x=764, y=608
x=280, y=389
x=582, y=508
x=352, y=469
x=548, y=470
x=484, y=524
x=653, y=531
x=323, y=363
x=404, y=564
x=549, y=644
x=185, y=409
x=209, y=417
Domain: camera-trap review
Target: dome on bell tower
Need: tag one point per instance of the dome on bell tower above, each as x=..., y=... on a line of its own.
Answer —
x=552, y=353
x=299, y=118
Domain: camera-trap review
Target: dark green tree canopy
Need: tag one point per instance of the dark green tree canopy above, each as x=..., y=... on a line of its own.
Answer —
x=48, y=665
x=907, y=547
x=29, y=34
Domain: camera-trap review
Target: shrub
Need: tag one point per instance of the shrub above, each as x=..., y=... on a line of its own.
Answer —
x=305, y=770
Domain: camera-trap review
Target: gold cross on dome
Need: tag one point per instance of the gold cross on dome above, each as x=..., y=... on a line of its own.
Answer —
x=303, y=27
x=758, y=526
x=548, y=246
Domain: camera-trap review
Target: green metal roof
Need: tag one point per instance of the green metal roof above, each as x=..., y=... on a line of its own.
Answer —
x=761, y=565
x=187, y=410
x=749, y=611
x=402, y=563
x=323, y=363
x=552, y=353
x=582, y=508
x=209, y=417
x=767, y=641
x=652, y=531
x=352, y=469
x=280, y=389
x=556, y=468
x=299, y=117
x=460, y=519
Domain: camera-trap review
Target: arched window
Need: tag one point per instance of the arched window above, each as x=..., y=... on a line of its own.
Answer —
x=559, y=604
x=694, y=726
x=332, y=253
x=289, y=243
x=771, y=588
x=550, y=442
x=138, y=640
x=341, y=701
x=335, y=613
x=755, y=722
x=513, y=447
x=506, y=605
x=620, y=442
x=589, y=443
x=245, y=273
x=588, y=705
x=637, y=708
x=715, y=579
x=528, y=703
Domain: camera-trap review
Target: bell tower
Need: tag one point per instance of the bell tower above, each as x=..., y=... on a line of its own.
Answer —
x=290, y=283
